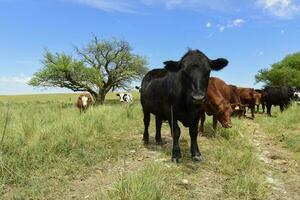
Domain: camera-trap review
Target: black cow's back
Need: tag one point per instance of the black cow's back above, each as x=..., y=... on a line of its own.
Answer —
x=277, y=95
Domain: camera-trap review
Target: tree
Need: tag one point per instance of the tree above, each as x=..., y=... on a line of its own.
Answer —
x=285, y=72
x=100, y=66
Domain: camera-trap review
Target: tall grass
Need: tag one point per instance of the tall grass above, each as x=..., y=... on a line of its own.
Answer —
x=48, y=145
x=234, y=156
x=284, y=127
x=44, y=143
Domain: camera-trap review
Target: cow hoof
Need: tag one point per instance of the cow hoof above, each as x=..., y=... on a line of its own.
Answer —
x=175, y=160
x=146, y=142
x=197, y=158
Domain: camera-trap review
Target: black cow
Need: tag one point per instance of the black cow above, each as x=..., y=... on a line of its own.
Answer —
x=176, y=93
x=277, y=95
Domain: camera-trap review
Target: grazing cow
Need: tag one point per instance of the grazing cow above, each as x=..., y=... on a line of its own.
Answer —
x=248, y=99
x=84, y=101
x=175, y=93
x=125, y=97
x=278, y=95
x=222, y=100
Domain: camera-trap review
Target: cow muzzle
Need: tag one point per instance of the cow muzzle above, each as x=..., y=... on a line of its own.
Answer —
x=198, y=99
x=226, y=125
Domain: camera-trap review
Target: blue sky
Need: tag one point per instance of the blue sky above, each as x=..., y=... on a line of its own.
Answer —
x=252, y=34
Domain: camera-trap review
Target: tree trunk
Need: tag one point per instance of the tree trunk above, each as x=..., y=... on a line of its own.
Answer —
x=100, y=97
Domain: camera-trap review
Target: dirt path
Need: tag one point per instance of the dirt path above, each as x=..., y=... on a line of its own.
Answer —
x=103, y=177
x=282, y=171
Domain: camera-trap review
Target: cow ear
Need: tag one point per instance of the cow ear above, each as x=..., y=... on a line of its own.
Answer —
x=172, y=66
x=118, y=94
x=218, y=64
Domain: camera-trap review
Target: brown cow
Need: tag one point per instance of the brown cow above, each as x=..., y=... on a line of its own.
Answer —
x=84, y=101
x=260, y=95
x=248, y=99
x=222, y=101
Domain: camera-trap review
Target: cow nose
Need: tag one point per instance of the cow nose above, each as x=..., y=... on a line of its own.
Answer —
x=198, y=98
x=227, y=125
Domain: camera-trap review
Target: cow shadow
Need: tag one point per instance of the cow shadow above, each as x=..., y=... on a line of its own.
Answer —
x=186, y=162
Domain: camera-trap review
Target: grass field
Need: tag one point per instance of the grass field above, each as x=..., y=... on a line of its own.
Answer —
x=50, y=151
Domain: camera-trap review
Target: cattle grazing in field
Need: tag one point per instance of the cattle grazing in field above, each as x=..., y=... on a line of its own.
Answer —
x=176, y=93
x=125, y=97
x=84, y=101
x=277, y=95
x=248, y=99
x=222, y=100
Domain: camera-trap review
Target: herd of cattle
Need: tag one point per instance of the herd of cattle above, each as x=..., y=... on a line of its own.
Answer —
x=184, y=91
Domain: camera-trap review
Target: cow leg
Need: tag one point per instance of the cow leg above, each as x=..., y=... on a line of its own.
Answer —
x=175, y=131
x=146, y=126
x=257, y=108
x=196, y=155
x=252, y=111
x=263, y=107
x=269, y=109
x=158, y=122
x=215, y=122
x=202, y=120
x=281, y=107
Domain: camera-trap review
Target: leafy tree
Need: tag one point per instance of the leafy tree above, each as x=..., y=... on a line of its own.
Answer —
x=100, y=66
x=285, y=72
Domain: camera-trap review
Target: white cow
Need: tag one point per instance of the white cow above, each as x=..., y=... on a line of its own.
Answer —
x=297, y=97
x=125, y=97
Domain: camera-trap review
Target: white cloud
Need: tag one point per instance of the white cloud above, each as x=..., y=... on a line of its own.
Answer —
x=231, y=24
x=282, y=31
x=237, y=22
x=108, y=5
x=261, y=53
x=132, y=5
x=222, y=28
x=208, y=25
x=172, y=3
x=279, y=8
x=22, y=79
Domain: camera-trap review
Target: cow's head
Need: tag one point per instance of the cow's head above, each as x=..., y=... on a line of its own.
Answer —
x=120, y=95
x=224, y=114
x=257, y=97
x=297, y=96
x=195, y=68
x=84, y=100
